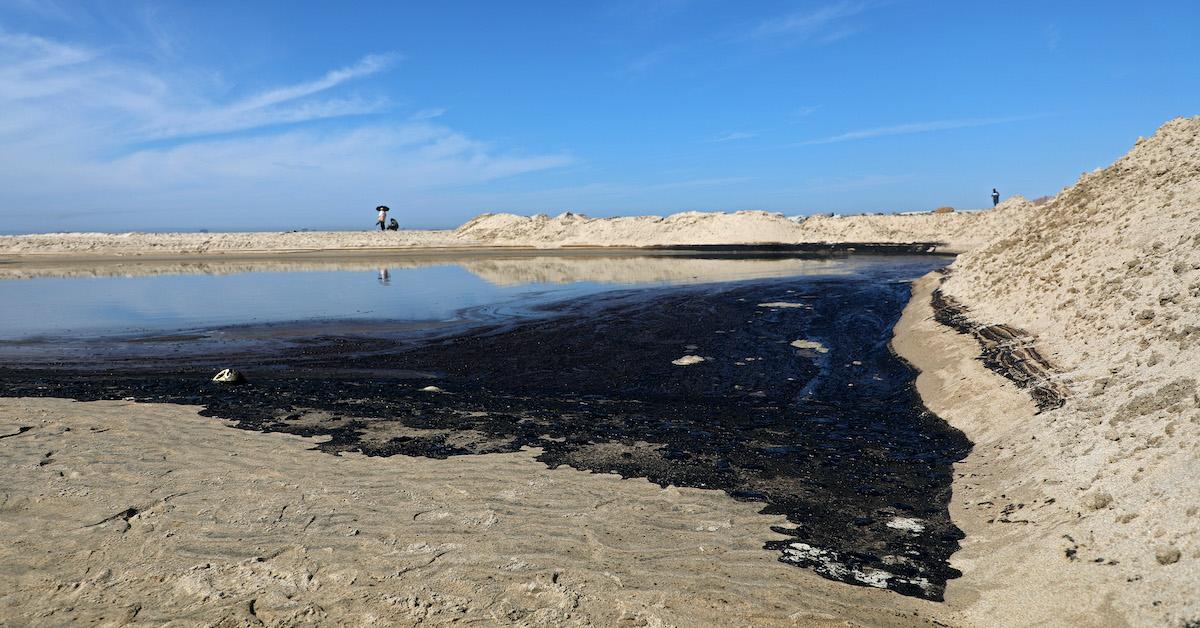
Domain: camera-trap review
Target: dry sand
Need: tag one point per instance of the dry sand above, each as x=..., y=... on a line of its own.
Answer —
x=114, y=512
x=954, y=231
x=1103, y=494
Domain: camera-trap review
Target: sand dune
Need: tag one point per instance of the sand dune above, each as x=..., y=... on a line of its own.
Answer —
x=957, y=231
x=953, y=232
x=1102, y=491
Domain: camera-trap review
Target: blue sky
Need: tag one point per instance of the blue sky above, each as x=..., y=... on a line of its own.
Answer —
x=275, y=115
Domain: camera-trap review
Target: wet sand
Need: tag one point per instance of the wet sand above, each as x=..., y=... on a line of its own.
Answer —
x=116, y=512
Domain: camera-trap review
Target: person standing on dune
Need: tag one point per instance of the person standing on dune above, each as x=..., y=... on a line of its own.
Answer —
x=995, y=197
x=382, y=220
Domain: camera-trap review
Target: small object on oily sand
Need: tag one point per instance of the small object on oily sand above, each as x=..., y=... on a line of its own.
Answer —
x=810, y=344
x=431, y=389
x=229, y=376
x=687, y=360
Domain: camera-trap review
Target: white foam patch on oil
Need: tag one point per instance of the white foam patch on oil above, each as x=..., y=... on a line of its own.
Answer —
x=687, y=360
x=810, y=344
x=825, y=562
x=906, y=523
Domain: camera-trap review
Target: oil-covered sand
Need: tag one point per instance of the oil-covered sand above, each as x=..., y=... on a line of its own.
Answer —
x=831, y=435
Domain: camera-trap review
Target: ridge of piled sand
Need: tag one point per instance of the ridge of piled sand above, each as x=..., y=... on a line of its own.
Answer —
x=219, y=243
x=1014, y=573
x=957, y=231
x=954, y=232
x=1106, y=277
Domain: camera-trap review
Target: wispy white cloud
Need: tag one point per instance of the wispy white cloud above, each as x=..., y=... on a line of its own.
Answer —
x=848, y=183
x=607, y=191
x=732, y=136
x=1053, y=37
x=644, y=13
x=912, y=128
x=366, y=66
x=821, y=25
x=408, y=155
x=428, y=114
x=24, y=55
x=804, y=112
x=46, y=9
x=85, y=131
x=278, y=105
x=645, y=62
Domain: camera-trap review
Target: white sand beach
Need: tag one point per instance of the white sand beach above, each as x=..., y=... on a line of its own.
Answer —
x=951, y=232
x=1086, y=514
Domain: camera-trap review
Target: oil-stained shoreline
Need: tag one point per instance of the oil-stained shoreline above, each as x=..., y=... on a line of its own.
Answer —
x=838, y=442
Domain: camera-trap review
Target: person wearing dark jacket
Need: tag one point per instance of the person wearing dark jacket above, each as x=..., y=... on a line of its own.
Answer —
x=995, y=197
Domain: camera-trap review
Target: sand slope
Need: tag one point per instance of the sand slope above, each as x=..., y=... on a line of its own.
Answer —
x=1014, y=569
x=963, y=231
x=1107, y=277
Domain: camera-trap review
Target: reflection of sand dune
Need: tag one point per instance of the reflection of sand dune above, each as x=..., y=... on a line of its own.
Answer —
x=643, y=269
x=503, y=271
x=152, y=268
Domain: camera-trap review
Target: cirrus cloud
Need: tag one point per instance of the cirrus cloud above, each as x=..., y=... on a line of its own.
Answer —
x=84, y=134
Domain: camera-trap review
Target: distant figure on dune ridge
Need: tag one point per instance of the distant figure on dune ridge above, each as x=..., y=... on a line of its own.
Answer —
x=995, y=197
x=382, y=220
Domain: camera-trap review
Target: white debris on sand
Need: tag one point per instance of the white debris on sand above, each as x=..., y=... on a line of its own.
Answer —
x=229, y=376
x=907, y=524
x=687, y=360
x=811, y=345
x=828, y=563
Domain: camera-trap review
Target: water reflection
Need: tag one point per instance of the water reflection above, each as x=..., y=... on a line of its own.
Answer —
x=58, y=301
x=500, y=271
